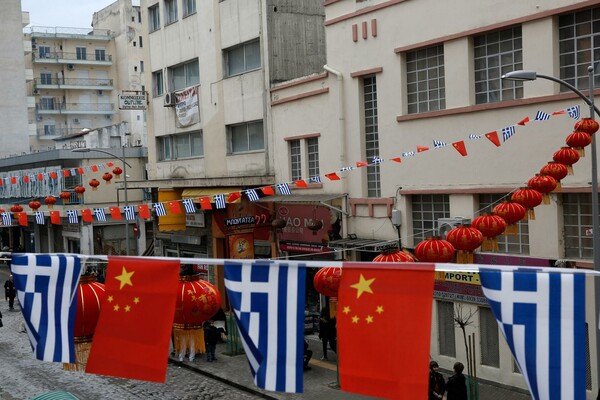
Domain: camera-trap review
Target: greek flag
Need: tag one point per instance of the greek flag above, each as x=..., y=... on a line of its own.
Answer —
x=220, y=201
x=315, y=179
x=376, y=160
x=46, y=288
x=129, y=212
x=346, y=169
x=252, y=194
x=284, y=188
x=542, y=317
x=472, y=136
x=573, y=112
x=188, y=205
x=100, y=214
x=39, y=217
x=6, y=219
x=541, y=116
x=159, y=209
x=408, y=154
x=72, y=216
x=438, y=144
x=508, y=132
x=73, y=172
x=268, y=302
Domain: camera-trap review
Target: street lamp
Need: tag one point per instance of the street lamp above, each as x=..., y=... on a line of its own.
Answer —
x=589, y=100
x=125, y=165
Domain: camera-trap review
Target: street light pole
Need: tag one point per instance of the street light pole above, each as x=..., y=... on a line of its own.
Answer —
x=530, y=76
x=125, y=165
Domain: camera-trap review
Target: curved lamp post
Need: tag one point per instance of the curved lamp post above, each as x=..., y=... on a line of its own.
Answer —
x=125, y=165
x=589, y=100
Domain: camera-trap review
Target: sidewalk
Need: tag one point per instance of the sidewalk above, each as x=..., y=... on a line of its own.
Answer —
x=320, y=382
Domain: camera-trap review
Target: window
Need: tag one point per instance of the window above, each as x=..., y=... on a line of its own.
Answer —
x=45, y=78
x=497, y=53
x=184, y=76
x=245, y=137
x=577, y=218
x=488, y=331
x=157, y=83
x=295, y=160
x=140, y=41
x=371, y=135
x=426, y=90
x=445, y=319
x=100, y=55
x=426, y=210
x=515, y=244
x=154, y=18
x=81, y=53
x=578, y=46
x=304, y=149
x=189, y=7
x=50, y=129
x=47, y=103
x=170, y=11
x=312, y=152
x=174, y=147
x=141, y=66
x=242, y=58
x=45, y=52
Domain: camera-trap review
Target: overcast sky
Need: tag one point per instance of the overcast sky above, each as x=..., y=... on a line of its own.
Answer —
x=64, y=13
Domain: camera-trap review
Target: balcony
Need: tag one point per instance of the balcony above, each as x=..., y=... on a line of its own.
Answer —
x=55, y=107
x=71, y=59
x=70, y=33
x=72, y=84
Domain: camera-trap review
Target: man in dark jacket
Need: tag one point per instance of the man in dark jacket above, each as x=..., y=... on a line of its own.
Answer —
x=10, y=292
x=211, y=338
x=436, y=382
x=457, y=386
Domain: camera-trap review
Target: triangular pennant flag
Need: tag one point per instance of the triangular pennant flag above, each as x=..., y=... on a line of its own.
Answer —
x=460, y=147
x=86, y=215
x=333, y=176
x=22, y=217
x=143, y=211
x=115, y=213
x=300, y=183
x=95, y=168
x=361, y=164
x=397, y=159
x=493, y=137
x=523, y=121
x=421, y=149
x=55, y=217
x=233, y=196
x=559, y=112
x=267, y=190
x=174, y=207
x=205, y=203
x=109, y=164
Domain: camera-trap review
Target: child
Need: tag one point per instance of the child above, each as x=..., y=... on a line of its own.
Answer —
x=211, y=338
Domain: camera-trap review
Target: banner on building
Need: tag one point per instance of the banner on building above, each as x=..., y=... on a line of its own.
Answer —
x=186, y=107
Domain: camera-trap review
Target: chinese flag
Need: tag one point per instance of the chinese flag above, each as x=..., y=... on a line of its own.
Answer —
x=493, y=137
x=53, y=175
x=115, y=213
x=95, y=168
x=460, y=147
x=267, y=190
x=86, y=214
x=134, y=327
x=388, y=309
x=55, y=217
x=174, y=207
x=66, y=173
x=205, y=203
x=233, y=197
x=333, y=176
x=301, y=183
x=81, y=171
x=143, y=211
x=22, y=217
x=421, y=149
x=361, y=164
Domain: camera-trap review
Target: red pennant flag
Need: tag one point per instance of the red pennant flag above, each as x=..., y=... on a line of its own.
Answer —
x=133, y=333
x=86, y=215
x=22, y=217
x=373, y=307
x=55, y=217
x=13, y=180
x=559, y=112
x=26, y=178
x=333, y=176
x=233, y=196
x=95, y=168
x=493, y=137
x=174, y=207
x=66, y=173
x=53, y=175
x=205, y=203
x=267, y=190
x=115, y=213
x=460, y=147
x=523, y=121
x=397, y=159
x=109, y=164
x=144, y=211
x=361, y=164
x=421, y=149
x=81, y=171
x=300, y=183
x=40, y=177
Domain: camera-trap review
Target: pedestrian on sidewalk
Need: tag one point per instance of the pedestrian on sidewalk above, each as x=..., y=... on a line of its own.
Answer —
x=10, y=292
x=457, y=386
x=211, y=338
x=307, y=356
x=327, y=332
x=437, y=384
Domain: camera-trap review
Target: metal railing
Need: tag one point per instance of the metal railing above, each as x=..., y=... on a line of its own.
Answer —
x=55, y=81
x=66, y=57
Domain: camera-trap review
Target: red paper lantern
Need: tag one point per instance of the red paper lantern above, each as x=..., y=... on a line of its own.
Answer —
x=16, y=208
x=65, y=195
x=528, y=198
x=490, y=226
x=107, y=177
x=2, y=210
x=50, y=201
x=557, y=171
x=197, y=301
x=34, y=205
x=435, y=250
x=80, y=190
x=566, y=156
x=512, y=213
x=465, y=239
x=117, y=171
x=587, y=125
x=94, y=183
x=327, y=281
x=394, y=255
x=578, y=140
x=543, y=184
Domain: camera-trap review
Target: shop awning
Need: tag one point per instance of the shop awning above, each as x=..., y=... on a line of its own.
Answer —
x=194, y=193
x=300, y=198
x=362, y=244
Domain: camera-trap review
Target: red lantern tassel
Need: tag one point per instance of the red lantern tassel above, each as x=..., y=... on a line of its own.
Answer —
x=188, y=339
x=464, y=257
x=546, y=198
x=558, y=187
x=511, y=229
x=570, y=169
x=333, y=304
x=530, y=214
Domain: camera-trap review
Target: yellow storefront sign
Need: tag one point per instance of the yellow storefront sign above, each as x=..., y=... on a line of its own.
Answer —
x=460, y=277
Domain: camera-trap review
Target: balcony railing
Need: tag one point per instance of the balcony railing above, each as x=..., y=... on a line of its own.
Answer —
x=65, y=57
x=57, y=83
x=70, y=107
x=51, y=31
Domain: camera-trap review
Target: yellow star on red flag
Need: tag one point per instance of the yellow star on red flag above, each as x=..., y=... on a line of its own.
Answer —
x=363, y=285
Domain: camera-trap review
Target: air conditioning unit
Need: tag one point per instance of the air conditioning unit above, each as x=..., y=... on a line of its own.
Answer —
x=76, y=120
x=35, y=91
x=70, y=67
x=169, y=99
x=444, y=225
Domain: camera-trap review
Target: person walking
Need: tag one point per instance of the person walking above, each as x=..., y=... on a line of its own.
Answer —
x=10, y=292
x=307, y=356
x=457, y=384
x=437, y=384
x=327, y=332
x=211, y=338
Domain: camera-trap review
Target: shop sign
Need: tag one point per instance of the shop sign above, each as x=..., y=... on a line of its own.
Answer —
x=298, y=217
x=460, y=277
x=303, y=247
x=455, y=291
x=132, y=101
x=247, y=220
x=195, y=220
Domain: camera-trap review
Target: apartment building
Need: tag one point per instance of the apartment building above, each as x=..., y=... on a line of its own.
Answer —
x=406, y=86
